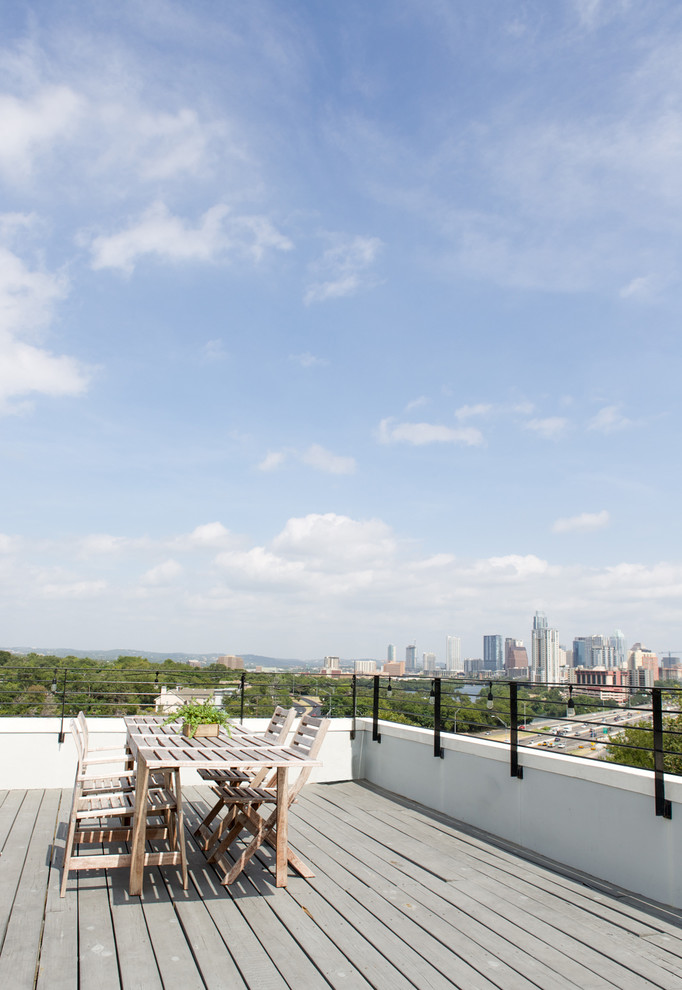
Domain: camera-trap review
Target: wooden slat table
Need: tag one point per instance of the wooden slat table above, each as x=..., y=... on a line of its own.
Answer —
x=158, y=747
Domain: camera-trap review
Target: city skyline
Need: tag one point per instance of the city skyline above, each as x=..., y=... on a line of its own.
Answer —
x=319, y=321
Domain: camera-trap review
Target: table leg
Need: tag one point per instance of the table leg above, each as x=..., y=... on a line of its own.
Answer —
x=139, y=827
x=282, y=840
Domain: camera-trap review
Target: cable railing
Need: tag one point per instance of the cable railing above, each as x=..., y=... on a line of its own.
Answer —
x=640, y=724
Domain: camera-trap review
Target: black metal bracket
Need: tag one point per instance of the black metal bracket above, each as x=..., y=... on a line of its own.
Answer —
x=438, y=750
x=664, y=808
x=515, y=769
x=376, y=735
x=355, y=705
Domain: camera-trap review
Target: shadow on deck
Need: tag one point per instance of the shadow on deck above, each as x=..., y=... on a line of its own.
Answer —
x=403, y=898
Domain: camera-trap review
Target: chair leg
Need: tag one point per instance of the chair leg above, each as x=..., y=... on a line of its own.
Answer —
x=68, y=852
x=199, y=831
x=179, y=839
x=252, y=848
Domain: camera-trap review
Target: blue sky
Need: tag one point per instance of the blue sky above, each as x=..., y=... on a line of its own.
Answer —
x=324, y=326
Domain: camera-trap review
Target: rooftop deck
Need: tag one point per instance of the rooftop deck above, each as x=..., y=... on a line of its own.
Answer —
x=404, y=897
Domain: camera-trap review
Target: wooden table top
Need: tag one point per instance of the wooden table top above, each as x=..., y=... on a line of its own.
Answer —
x=164, y=747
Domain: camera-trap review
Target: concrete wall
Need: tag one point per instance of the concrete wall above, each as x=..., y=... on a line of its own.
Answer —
x=31, y=756
x=597, y=817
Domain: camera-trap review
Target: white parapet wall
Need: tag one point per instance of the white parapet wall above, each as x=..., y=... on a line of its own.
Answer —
x=31, y=755
x=596, y=817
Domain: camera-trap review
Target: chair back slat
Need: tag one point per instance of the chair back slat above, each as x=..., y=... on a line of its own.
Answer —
x=279, y=726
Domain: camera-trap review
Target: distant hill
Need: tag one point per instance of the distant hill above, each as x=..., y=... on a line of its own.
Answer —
x=107, y=656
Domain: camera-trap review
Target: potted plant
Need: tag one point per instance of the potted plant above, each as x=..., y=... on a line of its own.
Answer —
x=200, y=719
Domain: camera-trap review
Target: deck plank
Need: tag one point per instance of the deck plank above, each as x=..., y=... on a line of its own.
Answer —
x=14, y=855
x=609, y=955
x=21, y=947
x=547, y=928
x=58, y=968
x=317, y=962
x=377, y=914
x=467, y=919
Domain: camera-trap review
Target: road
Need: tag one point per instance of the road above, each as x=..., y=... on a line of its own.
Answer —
x=579, y=734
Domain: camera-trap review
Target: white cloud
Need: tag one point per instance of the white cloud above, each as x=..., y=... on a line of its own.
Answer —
x=417, y=403
x=550, y=428
x=307, y=360
x=333, y=540
x=207, y=536
x=27, y=302
x=644, y=288
x=584, y=523
x=595, y=13
x=323, y=460
x=343, y=269
x=272, y=460
x=327, y=581
x=9, y=544
x=419, y=434
x=73, y=589
x=219, y=236
x=609, y=420
x=315, y=456
x=103, y=543
x=32, y=126
x=163, y=574
x=158, y=146
x=469, y=412
x=214, y=350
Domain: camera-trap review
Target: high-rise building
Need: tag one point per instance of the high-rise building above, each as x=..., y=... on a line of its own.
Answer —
x=617, y=641
x=411, y=658
x=452, y=653
x=545, y=652
x=332, y=663
x=641, y=658
x=515, y=654
x=390, y=653
x=365, y=666
x=428, y=662
x=492, y=653
x=594, y=651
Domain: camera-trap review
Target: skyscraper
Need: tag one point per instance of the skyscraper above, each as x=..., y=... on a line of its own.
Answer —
x=617, y=641
x=545, y=655
x=411, y=658
x=492, y=653
x=452, y=653
x=390, y=654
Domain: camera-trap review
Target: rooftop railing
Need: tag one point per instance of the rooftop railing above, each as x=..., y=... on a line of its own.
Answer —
x=636, y=726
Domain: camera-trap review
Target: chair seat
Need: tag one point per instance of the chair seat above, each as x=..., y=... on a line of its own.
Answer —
x=225, y=776
x=247, y=795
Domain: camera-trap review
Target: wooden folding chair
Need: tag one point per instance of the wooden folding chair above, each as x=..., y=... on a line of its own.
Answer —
x=243, y=803
x=275, y=734
x=102, y=808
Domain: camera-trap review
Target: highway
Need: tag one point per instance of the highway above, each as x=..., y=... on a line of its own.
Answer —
x=581, y=734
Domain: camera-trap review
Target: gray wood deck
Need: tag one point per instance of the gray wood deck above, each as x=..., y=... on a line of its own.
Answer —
x=403, y=898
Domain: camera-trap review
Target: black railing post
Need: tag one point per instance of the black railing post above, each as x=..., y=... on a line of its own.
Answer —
x=663, y=807
x=376, y=735
x=355, y=704
x=242, y=679
x=62, y=734
x=516, y=770
x=437, y=748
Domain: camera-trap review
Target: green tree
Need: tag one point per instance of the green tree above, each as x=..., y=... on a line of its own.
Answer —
x=635, y=744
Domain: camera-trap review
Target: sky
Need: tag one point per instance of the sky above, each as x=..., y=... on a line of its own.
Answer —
x=329, y=326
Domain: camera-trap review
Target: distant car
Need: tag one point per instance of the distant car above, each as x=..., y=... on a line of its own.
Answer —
x=560, y=745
